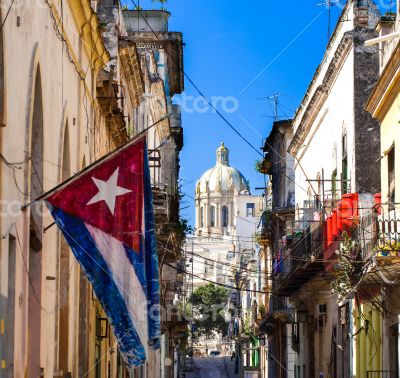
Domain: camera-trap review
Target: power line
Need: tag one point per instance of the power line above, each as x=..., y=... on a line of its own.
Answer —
x=180, y=270
x=221, y=263
x=6, y=16
x=195, y=86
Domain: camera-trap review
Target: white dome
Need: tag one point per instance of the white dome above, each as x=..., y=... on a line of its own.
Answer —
x=222, y=177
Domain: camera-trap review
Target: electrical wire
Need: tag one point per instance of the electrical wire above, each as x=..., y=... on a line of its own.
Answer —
x=6, y=16
x=195, y=86
x=180, y=270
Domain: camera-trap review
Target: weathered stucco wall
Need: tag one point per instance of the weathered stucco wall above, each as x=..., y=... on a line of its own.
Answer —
x=41, y=60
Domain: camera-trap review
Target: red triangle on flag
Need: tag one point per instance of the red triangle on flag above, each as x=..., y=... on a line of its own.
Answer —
x=110, y=196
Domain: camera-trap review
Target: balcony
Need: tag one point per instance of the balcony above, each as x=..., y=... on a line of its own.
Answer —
x=281, y=309
x=300, y=260
x=265, y=227
x=379, y=235
x=343, y=220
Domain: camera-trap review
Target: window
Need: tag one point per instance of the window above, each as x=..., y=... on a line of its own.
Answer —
x=225, y=216
x=250, y=210
x=345, y=167
x=202, y=216
x=212, y=216
x=391, y=178
x=334, y=186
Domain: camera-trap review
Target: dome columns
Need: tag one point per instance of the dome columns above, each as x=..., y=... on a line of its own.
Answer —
x=215, y=195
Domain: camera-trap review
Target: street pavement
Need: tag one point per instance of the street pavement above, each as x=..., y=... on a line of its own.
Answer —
x=212, y=367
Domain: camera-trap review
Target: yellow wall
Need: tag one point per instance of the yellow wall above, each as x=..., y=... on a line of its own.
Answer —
x=390, y=133
x=368, y=341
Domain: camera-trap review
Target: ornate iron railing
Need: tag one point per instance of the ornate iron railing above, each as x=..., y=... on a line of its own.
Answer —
x=379, y=233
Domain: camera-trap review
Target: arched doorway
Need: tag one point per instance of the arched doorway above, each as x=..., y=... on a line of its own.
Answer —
x=65, y=272
x=36, y=231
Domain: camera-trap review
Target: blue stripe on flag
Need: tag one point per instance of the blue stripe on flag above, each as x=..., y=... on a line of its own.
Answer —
x=98, y=273
x=153, y=286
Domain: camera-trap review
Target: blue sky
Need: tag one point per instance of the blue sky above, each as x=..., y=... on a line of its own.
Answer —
x=227, y=45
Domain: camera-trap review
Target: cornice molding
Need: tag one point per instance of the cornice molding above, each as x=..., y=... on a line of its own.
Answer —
x=318, y=98
x=130, y=65
x=387, y=88
x=87, y=24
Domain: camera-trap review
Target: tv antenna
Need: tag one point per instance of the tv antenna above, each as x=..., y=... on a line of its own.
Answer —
x=328, y=4
x=275, y=99
x=276, y=105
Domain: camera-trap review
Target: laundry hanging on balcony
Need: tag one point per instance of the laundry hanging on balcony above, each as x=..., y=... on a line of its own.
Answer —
x=106, y=216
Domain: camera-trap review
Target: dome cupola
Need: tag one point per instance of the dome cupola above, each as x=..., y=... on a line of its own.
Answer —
x=222, y=155
x=222, y=177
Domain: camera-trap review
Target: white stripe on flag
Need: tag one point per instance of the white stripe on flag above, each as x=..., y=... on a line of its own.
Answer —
x=125, y=278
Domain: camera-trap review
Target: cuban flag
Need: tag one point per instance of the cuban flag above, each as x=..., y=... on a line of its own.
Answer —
x=106, y=216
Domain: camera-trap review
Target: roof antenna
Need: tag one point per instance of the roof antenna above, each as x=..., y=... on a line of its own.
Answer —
x=329, y=4
x=275, y=98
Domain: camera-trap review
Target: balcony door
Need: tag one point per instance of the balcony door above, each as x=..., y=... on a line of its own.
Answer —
x=394, y=341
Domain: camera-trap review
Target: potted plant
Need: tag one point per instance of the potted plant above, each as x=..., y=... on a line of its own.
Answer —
x=391, y=248
x=263, y=166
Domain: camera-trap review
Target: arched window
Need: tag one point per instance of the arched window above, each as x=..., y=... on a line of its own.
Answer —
x=202, y=216
x=225, y=215
x=345, y=167
x=212, y=216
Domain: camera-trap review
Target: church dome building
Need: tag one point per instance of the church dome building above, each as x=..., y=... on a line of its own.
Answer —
x=217, y=192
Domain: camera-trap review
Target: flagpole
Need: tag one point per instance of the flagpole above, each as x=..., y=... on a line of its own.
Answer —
x=90, y=166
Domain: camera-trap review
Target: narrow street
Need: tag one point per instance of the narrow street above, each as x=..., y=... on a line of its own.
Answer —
x=186, y=181
x=212, y=367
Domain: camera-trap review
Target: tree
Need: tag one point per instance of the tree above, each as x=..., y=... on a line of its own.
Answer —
x=209, y=303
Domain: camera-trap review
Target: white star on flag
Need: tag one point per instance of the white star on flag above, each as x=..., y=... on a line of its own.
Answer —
x=108, y=191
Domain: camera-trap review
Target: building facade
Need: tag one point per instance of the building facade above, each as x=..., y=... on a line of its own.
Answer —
x=317, y=328
x=78, y=87
x=383, y=273
x=277, y=233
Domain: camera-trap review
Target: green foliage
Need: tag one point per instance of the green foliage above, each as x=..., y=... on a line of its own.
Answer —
x=102, y=26
x=258, y=166
x=162, y=2
x=181, y=229
x=209, y=304
x=248, y=327
x=349, y=270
